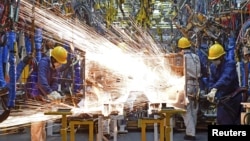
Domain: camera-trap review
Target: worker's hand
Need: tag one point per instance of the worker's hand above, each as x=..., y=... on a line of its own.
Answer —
x=210, y=96
x=54, y=96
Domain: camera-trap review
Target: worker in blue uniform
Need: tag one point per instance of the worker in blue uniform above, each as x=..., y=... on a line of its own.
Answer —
x=48, y=73
x=223, y=81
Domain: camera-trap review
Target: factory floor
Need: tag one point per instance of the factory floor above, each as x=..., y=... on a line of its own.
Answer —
x=83, y=136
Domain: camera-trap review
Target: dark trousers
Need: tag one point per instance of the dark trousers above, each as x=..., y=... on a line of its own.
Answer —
x=228, y=112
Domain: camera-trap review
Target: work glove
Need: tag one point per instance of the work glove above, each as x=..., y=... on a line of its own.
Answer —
x=211, y=95
x=81, y=103
x=54, y=96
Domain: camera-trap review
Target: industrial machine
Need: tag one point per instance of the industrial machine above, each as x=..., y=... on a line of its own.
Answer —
x=123, y=65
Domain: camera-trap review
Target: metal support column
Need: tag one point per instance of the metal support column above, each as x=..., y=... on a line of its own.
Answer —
x=64, y=122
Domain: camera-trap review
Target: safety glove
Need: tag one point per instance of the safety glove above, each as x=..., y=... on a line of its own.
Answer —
x=210, y=96
x=53, y=96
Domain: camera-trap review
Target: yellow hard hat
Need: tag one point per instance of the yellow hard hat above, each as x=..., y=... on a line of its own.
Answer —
x=184, y=43
x=60, y=54
x=215, y=51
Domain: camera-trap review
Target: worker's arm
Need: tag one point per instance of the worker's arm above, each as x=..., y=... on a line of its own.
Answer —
x=54, y=81
x=43, y=72
x=212, y=78
x=226, y=76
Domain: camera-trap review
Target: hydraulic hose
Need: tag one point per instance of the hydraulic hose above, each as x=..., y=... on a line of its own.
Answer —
x=28, y=44
x=32, y=79
x=38, y=43
x=77, y=79
x=5, y=58
x=3, y=61
x=12, y=71
x=2, y=79
x=231, y=48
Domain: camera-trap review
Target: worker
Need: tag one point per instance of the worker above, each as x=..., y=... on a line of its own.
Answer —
x=244, y=70
x=223, y=81
x=48, y=73
x=192, y=69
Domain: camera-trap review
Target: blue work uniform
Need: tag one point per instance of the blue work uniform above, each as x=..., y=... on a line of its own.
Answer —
x=47, y=76
x=225, y=79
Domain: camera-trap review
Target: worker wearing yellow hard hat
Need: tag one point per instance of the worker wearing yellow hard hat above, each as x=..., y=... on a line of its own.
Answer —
x=47, y=84
x=216, y=51
x=192, y=73
x=183, y=43
x=223, y=81
x=48, y=72
x=59, y=54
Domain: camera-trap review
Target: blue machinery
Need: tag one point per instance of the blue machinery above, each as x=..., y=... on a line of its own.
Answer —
x=74, y=74
x=8, y=91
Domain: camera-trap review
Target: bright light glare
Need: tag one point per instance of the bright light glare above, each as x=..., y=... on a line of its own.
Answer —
x=148, y=74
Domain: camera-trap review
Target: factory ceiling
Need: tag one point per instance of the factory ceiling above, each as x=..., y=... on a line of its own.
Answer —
x=164, y=20
x=153, y=16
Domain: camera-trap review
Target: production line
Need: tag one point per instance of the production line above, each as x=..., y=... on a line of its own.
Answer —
x=124, y=71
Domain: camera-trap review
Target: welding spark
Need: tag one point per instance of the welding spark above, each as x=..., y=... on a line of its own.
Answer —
x=140, y=61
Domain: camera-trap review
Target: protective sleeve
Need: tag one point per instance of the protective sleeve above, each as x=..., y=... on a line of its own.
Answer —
x=212, y=80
